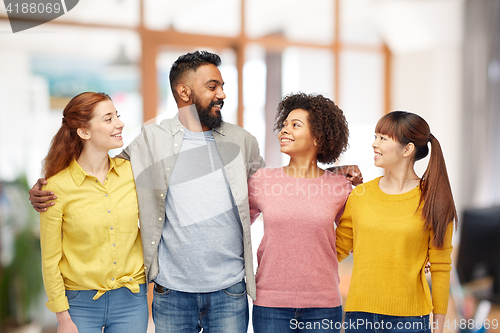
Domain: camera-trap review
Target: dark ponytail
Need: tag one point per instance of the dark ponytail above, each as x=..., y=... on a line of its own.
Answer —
x=439, y=207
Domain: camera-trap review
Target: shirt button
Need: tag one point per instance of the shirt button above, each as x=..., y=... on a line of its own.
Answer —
x=153, y=243
x=168, y=169
x=106, y=178
x=159, y=218
x=161, y=195
x=106, y=195
x=111, y=228
x=175, y=144
x=114, y=244
x=112, y=279
x=109, y=211
x=96, y=180
x=130, y=279
x=114, y=262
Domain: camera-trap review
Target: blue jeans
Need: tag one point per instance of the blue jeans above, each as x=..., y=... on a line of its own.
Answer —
x=373, y=322
x=285, y=320
x=118, y=311
x=223, y=311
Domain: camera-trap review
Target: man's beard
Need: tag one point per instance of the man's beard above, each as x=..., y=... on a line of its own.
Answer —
x=206, y=119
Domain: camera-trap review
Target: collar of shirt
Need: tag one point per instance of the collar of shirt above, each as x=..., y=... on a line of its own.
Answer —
x=79, y=175
x=177, y=127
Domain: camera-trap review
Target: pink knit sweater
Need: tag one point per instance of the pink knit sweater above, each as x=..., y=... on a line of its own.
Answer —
x=297, y=259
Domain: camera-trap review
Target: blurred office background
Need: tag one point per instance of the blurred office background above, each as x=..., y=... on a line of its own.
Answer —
x=437, y=58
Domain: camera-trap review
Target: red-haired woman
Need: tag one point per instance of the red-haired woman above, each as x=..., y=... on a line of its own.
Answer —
x=92, y=260
x=394, y=225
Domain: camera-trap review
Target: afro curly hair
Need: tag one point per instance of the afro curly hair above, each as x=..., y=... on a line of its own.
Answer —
x=326, y=120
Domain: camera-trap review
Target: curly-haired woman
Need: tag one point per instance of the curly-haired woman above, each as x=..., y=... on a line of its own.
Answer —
x=297, y=277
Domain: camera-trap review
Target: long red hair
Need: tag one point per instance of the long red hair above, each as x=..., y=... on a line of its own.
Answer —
x=66, y=145
x=435, y=190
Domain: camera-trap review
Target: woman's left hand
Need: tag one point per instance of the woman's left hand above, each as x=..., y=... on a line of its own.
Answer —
x=438, y=322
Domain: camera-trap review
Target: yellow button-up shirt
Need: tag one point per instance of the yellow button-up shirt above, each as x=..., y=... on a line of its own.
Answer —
x=90, y=238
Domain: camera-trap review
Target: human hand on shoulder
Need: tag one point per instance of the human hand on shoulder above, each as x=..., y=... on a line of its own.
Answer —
x=40, y=200
x=351, y=172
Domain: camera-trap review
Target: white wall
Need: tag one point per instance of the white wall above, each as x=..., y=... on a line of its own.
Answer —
x=429, y=83
x=427, y=74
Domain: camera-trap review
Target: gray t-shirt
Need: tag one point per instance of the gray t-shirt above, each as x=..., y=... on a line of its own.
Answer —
x=201, y=248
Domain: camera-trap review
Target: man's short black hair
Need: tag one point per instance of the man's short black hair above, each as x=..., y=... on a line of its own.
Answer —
x=190, y=62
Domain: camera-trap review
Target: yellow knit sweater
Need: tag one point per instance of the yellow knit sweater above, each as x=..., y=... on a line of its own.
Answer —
x=390, y=249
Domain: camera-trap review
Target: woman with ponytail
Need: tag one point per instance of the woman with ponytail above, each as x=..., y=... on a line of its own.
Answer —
x=394, y=225
x=92, y=262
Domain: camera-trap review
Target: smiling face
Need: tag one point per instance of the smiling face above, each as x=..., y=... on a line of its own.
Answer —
x=207, y=94
x=105, y=128
x=388, y=152
x=295, y=135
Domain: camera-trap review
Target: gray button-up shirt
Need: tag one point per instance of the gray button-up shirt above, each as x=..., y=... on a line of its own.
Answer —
x=153, y=154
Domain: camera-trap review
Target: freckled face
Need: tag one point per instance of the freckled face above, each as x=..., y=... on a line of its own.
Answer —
x=105, y=130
